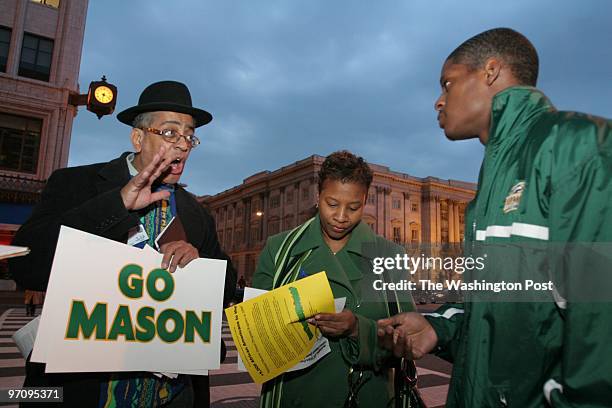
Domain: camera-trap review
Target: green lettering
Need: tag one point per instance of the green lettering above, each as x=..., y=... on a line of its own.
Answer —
x=177, y=331
x=131, y=288
x=166, y=292
x=122, y=325
x=80, y=320
x=145, y=319
x=192, y=324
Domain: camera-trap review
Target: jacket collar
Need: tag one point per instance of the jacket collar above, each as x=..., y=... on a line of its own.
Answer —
x=362, y=238
x=514, y=110
x=114, y=173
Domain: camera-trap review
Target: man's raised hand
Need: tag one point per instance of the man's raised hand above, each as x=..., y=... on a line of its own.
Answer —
x=137, y=194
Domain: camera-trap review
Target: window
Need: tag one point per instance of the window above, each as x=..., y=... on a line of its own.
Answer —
x=415, y=207
x=397, y=235
x=239, y=211
x=50, y=3
x=273, y=227
x=371, y=197
x=19, y=142
x=237, y=237
x=250, y=261
x=397, y=204
x=230, y=213
x=256, y=206
x=289, y=196
x=288, y=221
x=275, y=201
x=305, y=193
x=255, y=236
x=415, y=236
x=36, y=57
x=228, y=238
x=5, y=42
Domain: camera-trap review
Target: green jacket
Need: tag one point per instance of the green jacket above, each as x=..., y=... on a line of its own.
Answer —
x=545, y=182
x=325, y=384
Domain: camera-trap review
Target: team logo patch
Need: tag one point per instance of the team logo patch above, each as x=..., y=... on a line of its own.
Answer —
x=514, y=198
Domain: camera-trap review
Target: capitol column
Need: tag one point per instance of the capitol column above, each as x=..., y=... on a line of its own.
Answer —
x=451, y=221
x=263, y=226
x=233, y=206
x=457, y=223
x=406, y=217
x=247, y=222
x=380, y=210
x=282, y=209
x=298, y=197
x=388, y=229
x=438, y=220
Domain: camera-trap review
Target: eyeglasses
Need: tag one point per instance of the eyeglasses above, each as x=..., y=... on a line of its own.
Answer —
x=172, y=136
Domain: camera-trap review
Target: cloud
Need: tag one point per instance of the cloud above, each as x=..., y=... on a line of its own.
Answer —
x=285, y=80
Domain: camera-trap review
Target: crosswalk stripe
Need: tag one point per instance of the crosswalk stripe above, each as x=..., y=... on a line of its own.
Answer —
x=12, y=362
x=12, y=382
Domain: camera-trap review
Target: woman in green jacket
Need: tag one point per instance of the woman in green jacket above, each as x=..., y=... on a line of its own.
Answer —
x=357, y=371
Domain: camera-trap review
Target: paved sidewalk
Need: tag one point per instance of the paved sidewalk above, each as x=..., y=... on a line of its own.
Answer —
x=230, y=388
x=12, y=364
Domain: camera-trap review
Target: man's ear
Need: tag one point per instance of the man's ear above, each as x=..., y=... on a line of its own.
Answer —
x=136, y=137
x=492, y=68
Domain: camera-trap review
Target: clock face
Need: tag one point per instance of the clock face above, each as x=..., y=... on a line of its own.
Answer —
x=103, y=94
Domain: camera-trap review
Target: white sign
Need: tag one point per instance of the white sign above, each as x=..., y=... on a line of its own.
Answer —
x=110, y=307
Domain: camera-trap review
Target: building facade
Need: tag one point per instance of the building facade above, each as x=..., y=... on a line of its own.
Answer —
x=40, y=54
x=402, y=208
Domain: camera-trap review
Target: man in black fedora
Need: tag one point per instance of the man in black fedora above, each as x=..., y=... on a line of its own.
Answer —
x=129, y=199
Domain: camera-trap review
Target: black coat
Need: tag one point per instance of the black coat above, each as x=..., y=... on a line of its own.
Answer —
x=88, y=198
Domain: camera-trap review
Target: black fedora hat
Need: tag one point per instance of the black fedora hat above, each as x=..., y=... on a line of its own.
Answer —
x=170, y=96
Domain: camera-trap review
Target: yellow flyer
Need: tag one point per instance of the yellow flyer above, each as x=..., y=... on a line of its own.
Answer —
x=271, y=332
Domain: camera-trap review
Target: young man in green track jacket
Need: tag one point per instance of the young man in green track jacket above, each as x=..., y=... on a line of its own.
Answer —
x=545, y=183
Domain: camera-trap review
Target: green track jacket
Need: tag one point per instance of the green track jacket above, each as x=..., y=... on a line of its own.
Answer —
x=545, y=180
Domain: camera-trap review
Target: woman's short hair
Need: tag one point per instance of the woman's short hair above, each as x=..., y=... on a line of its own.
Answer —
x=345, y=167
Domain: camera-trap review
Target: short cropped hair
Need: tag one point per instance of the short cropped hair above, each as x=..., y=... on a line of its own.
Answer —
x=345, y=167
x=143, y=120
x=507, y=44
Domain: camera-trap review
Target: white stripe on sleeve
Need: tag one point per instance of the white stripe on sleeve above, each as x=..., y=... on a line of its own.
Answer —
x=549, y=387
x=450, y=312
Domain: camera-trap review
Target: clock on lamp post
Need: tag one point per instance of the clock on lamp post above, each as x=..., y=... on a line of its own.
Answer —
x=101, y=98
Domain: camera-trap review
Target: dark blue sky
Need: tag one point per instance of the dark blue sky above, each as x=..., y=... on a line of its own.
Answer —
x=288, y=79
